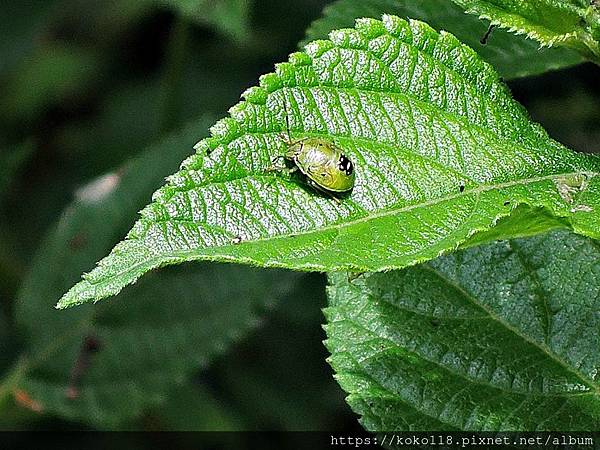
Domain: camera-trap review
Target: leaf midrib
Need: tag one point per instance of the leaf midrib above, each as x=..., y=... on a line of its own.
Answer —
x=583, y=378
x=384, y=212
x=394, y=145
x=337, y=226
x=449, y=370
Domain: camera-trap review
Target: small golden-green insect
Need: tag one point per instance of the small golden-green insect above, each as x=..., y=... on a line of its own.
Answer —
x=326, y=168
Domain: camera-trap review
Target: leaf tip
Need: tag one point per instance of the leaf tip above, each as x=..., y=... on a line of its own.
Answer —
x=75, y=296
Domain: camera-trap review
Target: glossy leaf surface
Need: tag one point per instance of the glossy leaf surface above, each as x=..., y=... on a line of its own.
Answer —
x=441, y=152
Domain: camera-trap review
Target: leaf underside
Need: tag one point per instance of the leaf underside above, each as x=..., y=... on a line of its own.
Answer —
x=440, y=148
x=570, y=23
x=511, y=55
x=500, y=337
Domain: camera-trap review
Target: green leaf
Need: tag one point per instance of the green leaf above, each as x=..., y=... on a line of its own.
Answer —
x=231, y=17
x=54, y=73
x=20, y=24
x=192, y=407
x=569, y=23
x=499, y=337
x=12, y=160
x=512, y=56
x=161, y=330
x=441, y=152
x=523, y=222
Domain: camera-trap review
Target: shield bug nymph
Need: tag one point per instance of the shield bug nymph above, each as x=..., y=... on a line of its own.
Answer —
x=321, y=161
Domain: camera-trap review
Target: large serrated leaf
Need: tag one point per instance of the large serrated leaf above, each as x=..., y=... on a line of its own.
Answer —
x=161, y=331
x=568, y=23
x=441, y=152
x=499, y=337
x=512, y=56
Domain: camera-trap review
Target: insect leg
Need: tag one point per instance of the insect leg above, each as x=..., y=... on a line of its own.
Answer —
x=323, y=191
x=279, y=168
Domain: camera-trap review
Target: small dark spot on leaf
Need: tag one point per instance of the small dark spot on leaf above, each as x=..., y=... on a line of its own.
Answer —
x=434, y=322
x=78, y=241
x=461, y=188
x=507, y=202
x=485, y=37
x=353, y=276
x=236, y=240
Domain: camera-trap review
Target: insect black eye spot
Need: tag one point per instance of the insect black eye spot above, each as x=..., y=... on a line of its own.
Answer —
x=345, y=165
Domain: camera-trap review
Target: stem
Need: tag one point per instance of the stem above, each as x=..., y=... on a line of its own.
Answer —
x=175, y=58
x=11, y=381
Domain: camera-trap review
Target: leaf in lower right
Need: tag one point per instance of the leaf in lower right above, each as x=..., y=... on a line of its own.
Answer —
x=499, y=337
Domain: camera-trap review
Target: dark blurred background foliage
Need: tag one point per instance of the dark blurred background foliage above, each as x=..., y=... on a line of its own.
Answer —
x=85, y=87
